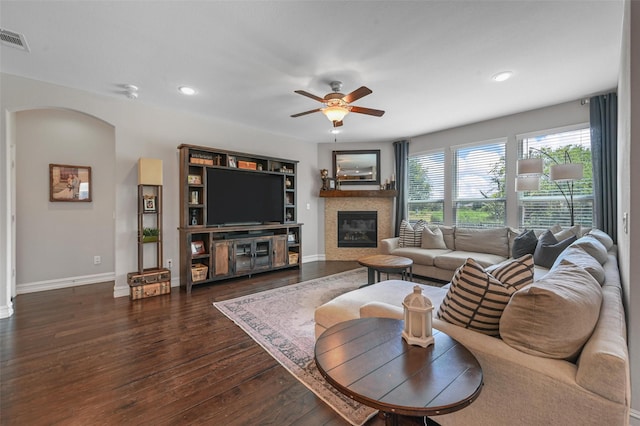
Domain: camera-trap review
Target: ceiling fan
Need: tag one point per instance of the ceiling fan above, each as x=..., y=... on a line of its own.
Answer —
x=338, y=105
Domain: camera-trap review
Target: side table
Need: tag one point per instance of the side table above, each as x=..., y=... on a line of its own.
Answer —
x=386, y=263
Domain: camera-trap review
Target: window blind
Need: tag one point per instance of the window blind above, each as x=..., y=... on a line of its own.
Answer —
x=426, y=187
x=549, y=205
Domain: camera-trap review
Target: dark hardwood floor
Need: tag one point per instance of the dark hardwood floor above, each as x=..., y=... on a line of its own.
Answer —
x=78, y=356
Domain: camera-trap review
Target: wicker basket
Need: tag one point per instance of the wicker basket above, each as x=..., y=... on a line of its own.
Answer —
x=199, y=272
x=293, y=258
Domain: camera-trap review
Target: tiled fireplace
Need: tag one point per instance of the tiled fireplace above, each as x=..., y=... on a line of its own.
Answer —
x=379, y=202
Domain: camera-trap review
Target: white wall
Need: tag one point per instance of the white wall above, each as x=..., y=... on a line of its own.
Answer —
x=629, y=200
x=146, y=131
x=62, y=237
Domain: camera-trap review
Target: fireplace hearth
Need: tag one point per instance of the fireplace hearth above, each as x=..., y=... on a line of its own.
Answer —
x=357, y=229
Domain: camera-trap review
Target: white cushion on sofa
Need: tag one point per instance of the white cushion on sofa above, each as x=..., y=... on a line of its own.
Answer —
x=578, y=256
x=432, y=238
x=492, y=241
x=419, y=255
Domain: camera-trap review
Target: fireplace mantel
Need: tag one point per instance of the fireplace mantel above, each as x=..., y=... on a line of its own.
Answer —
x=388, y=193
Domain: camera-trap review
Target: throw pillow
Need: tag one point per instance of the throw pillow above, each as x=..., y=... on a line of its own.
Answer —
x=594, y=247
x=554, y=316
x=411, y=236
x=548, y=249
x=603, y=237
x=432, y=238
x=491, y=240
x=524, y=243
x=563, y=234
x=579, y=257
x=476, y=299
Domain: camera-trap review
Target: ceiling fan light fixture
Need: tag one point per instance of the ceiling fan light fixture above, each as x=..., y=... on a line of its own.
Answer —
x=335, y=113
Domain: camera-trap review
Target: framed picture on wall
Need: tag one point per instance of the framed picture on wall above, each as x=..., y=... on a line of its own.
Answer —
x=149, y=204
x=69, y=183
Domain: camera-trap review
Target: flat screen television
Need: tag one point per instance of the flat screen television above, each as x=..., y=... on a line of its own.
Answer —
x=239, y=197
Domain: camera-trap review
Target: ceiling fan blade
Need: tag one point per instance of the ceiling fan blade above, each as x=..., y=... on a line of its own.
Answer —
x=306, y=112
x=337, y=123
x=309, y=95
x=357, y=94
x=369, y=111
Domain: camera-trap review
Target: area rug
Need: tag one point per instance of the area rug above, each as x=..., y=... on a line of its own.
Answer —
x=281, y=321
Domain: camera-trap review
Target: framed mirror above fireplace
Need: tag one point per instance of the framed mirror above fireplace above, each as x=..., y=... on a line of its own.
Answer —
x=357, y=167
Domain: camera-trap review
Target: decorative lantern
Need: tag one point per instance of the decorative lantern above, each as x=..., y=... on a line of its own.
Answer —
x=417, y=319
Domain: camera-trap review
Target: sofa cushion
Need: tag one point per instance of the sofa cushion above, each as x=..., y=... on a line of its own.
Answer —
x=548, y=248
x=493, y=241
x=448, y=233
x=579, y=257
x=411, y=235
x=603, y=237
x=524, y=243
x=554, y=316
x=454, y=259
x=563, y=234
x=476, y=299
x=419, y=255
x=432, y=238
x=594, y=247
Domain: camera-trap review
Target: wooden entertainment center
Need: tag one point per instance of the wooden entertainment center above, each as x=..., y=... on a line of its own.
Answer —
x=212, y=246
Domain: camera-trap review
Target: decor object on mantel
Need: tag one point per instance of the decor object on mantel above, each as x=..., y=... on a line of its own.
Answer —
x=529, y=171
x=359, y=194
x=417, y=319
x=338, y=104
x=324, y=175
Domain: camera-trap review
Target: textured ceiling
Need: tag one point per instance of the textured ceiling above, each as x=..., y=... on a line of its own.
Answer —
x=429, y=63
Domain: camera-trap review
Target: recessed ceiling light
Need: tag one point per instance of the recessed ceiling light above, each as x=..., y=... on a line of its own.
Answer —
x=502, y=76
x=186, y=90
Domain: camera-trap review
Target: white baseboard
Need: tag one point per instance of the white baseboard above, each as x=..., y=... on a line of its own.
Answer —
x=314, y=258
x=6, y=311
x=64, y=283
x=634, y=418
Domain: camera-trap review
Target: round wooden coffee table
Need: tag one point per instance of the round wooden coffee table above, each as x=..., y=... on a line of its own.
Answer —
x=367, y=360
x=386, y=263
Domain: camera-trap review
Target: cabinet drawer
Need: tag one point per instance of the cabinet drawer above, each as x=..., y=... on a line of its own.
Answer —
x=149, y=290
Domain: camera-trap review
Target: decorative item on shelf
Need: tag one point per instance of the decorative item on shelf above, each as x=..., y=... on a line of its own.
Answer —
x=231, y=161
x=289, y=216
x=249, y=165
x=260, y=166
x=194, y=180
x=291, y=238
x=194, y=217
x=324, y=174
x=417, y=319
x=195, y=197
x=530, y=170
x=199, y=272
x=288, y=183
x=331, y=183
x=150, y=235
x=149, y=203
x=392, y=183
x=293, y=258
x=197, y=247
x=201, y=158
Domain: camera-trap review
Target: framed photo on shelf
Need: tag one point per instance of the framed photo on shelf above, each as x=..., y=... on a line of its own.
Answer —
x=149, y=204
x=194, y=179
x=197, y=247
x=232, y=161
x=69, y=183
x=331, y=183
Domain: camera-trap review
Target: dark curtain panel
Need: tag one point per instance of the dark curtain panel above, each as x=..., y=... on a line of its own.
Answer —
x=604, y=153
x=401, y=151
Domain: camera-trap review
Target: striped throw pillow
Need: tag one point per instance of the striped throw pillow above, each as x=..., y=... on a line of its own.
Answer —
x=476, y=298
x=411, y=236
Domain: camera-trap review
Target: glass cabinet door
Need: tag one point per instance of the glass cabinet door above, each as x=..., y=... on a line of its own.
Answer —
x=262, y=255
x=243, y=256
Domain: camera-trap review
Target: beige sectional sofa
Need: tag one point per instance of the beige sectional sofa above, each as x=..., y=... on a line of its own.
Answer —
x=523, y=385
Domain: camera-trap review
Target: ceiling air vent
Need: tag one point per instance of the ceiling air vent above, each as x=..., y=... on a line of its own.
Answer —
x=9, y=38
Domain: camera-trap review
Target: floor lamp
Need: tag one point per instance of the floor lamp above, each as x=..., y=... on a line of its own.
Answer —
x=529, y=171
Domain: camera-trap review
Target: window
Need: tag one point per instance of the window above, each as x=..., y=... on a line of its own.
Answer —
x=426, y=187
x=479, y=185
x=550, y=204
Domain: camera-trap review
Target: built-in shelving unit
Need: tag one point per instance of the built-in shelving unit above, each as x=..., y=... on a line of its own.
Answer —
x=212, y=251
